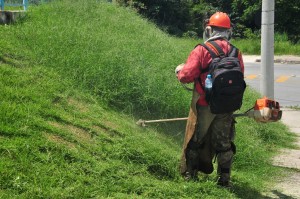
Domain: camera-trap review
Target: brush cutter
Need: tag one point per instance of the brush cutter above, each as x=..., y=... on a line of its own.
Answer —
x=265, y=110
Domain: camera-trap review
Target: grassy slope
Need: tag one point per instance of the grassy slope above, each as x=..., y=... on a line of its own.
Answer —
x=59, y=137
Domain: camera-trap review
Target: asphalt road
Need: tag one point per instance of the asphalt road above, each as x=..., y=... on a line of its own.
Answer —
x=286, y=81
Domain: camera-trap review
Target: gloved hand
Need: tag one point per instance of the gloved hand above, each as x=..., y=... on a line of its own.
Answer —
x=178, y=68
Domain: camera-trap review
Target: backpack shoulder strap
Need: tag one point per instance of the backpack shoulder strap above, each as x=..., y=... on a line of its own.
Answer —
x=211, y=52
x=234, y=51
x=213, y=45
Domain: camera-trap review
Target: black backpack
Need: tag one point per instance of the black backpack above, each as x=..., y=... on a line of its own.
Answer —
x=229, y=85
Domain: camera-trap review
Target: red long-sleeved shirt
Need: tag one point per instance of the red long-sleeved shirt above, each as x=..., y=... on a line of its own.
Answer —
x=199, y=60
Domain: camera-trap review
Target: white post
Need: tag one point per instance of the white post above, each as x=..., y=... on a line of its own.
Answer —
x=267, y=49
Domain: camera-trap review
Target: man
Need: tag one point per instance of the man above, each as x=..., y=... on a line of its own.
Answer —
x=207, y=134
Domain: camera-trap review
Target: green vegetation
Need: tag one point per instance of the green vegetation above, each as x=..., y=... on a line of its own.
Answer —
x=281, y=46
x=185, y=18
x=75, y=76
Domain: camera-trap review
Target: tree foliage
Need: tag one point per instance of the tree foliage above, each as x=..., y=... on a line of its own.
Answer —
x=287, y=18
x=185, y=17
x=171, y=15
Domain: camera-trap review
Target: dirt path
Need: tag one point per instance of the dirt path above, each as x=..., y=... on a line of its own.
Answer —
x=289, y=187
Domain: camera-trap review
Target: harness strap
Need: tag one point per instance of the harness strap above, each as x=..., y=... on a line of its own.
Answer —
x=212, y=53
x=213, y=45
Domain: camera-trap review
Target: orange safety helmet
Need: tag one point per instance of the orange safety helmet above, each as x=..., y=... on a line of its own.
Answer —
x=219, y=19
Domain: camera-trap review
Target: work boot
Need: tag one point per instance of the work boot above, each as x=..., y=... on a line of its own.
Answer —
x=190, y=176
x=224, y=168
x=224, y=180
x=191, y=162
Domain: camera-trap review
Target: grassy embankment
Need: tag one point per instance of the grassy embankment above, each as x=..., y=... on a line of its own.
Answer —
x=74, y=78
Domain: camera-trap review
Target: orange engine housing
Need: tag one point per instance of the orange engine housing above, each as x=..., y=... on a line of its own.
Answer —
x=273, y=105
x=266, y=103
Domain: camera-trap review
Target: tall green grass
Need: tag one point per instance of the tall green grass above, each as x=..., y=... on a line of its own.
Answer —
x=71, y=73
x=282, y=46
x=122, y=62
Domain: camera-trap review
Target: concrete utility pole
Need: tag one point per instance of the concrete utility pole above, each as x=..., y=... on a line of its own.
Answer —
x=267, y=49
